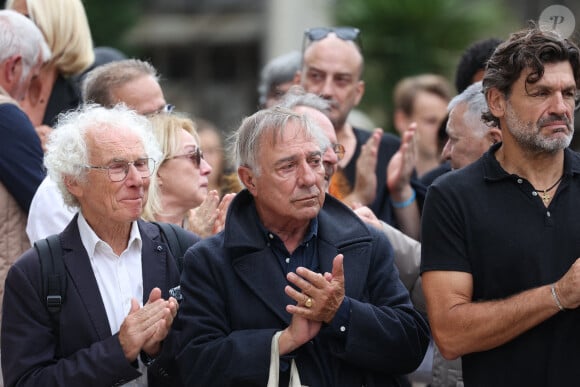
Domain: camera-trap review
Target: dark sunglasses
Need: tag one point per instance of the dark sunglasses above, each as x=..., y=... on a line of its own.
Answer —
x=196, y=156
x=344, y=33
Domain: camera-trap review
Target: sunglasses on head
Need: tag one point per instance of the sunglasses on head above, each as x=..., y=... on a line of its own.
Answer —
x=345, y=33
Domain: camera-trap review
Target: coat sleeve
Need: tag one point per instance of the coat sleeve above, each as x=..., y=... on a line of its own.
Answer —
x=386, y=333
x=30, y=346
x=212, y=353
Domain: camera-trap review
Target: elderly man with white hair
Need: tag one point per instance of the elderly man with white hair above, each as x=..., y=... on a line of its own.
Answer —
x=115, y=322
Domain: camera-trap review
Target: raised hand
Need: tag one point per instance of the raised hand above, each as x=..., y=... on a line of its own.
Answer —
x=365, y=186
x=368, y=216
x=222, y=212
x=300, y=331
x=202, y=218
x=401, y=166
x=324, y=293
x=144, y=328
x=321, y=296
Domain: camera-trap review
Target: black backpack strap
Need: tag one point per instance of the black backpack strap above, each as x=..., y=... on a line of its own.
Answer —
x=177, y=239
x=53, y=274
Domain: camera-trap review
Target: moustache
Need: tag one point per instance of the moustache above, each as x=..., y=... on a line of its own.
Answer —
x=555, y=118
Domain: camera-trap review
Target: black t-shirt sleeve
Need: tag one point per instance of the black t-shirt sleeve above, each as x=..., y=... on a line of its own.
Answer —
x=444, y=245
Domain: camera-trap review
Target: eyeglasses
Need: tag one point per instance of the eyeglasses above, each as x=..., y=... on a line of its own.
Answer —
x=119, y=169
x=196, y=156
x=165, y=109
x=339, y=150
x=344, y=33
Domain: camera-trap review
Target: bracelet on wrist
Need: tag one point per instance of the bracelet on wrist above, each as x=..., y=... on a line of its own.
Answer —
x=407, y=202
x=556, y=298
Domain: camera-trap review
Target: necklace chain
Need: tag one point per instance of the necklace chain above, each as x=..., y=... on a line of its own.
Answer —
x=544, y=193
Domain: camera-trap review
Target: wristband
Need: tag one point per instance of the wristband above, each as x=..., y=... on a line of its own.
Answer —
x=555, y=295
x=407, y=202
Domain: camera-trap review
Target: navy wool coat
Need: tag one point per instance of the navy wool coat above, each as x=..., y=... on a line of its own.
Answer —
x=234, y=302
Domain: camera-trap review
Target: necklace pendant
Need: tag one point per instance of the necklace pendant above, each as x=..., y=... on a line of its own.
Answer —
x=545, y=196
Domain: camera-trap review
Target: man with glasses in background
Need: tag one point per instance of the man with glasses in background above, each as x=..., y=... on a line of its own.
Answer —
x=115, y=323
x=332, y=68
x=132, y=82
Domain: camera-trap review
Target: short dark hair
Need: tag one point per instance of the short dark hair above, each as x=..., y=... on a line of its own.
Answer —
x=530, y=48
x=473, y=59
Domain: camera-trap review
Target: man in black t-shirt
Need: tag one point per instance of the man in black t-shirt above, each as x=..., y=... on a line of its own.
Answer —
x=500, y=236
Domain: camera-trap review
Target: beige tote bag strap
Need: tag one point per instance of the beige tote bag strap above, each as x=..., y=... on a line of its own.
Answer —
x=273, y=378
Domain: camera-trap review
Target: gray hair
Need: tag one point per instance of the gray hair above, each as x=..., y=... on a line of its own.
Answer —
x=20, y=36
x=99, y=83
x=279, y=70
x=528, y=49
x=246, y=140
x=67, y=152
x=297, y=96
x=476, y=104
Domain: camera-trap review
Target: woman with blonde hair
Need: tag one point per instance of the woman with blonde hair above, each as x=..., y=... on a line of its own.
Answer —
x=178, y=191
x=66, y=29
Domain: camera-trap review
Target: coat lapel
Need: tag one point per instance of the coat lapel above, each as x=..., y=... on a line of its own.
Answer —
x=349, y=237
x=267, y=283
x=83, y=279
x=153, y=261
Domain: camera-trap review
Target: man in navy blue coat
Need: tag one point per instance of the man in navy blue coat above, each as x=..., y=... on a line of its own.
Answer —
x=295, y=261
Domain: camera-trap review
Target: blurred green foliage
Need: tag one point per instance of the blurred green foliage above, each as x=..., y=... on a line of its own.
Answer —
x=110, y=20
x=408, y=37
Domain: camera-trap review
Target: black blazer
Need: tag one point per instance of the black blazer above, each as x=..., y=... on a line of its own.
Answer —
x=83, y=352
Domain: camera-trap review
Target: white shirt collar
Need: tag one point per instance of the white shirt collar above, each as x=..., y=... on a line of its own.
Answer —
x=91, y=240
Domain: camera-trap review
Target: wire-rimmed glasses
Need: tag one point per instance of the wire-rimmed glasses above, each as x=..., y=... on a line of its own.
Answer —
x=119, y=169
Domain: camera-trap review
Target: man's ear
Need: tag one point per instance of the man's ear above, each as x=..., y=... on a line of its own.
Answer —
x=494, y=135
x=496, y=101
x=73, y=187
x=247, y=178
x=11, y=66
x=360, y=91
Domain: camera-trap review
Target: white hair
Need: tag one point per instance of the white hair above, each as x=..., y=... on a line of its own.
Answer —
x=475, y=102
x=20, y=36
x=67, y=153
x=272, y=122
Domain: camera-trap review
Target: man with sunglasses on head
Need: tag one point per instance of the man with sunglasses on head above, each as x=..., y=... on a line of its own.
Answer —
x=116, y=320
x=132, y=82
x=332, y=68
